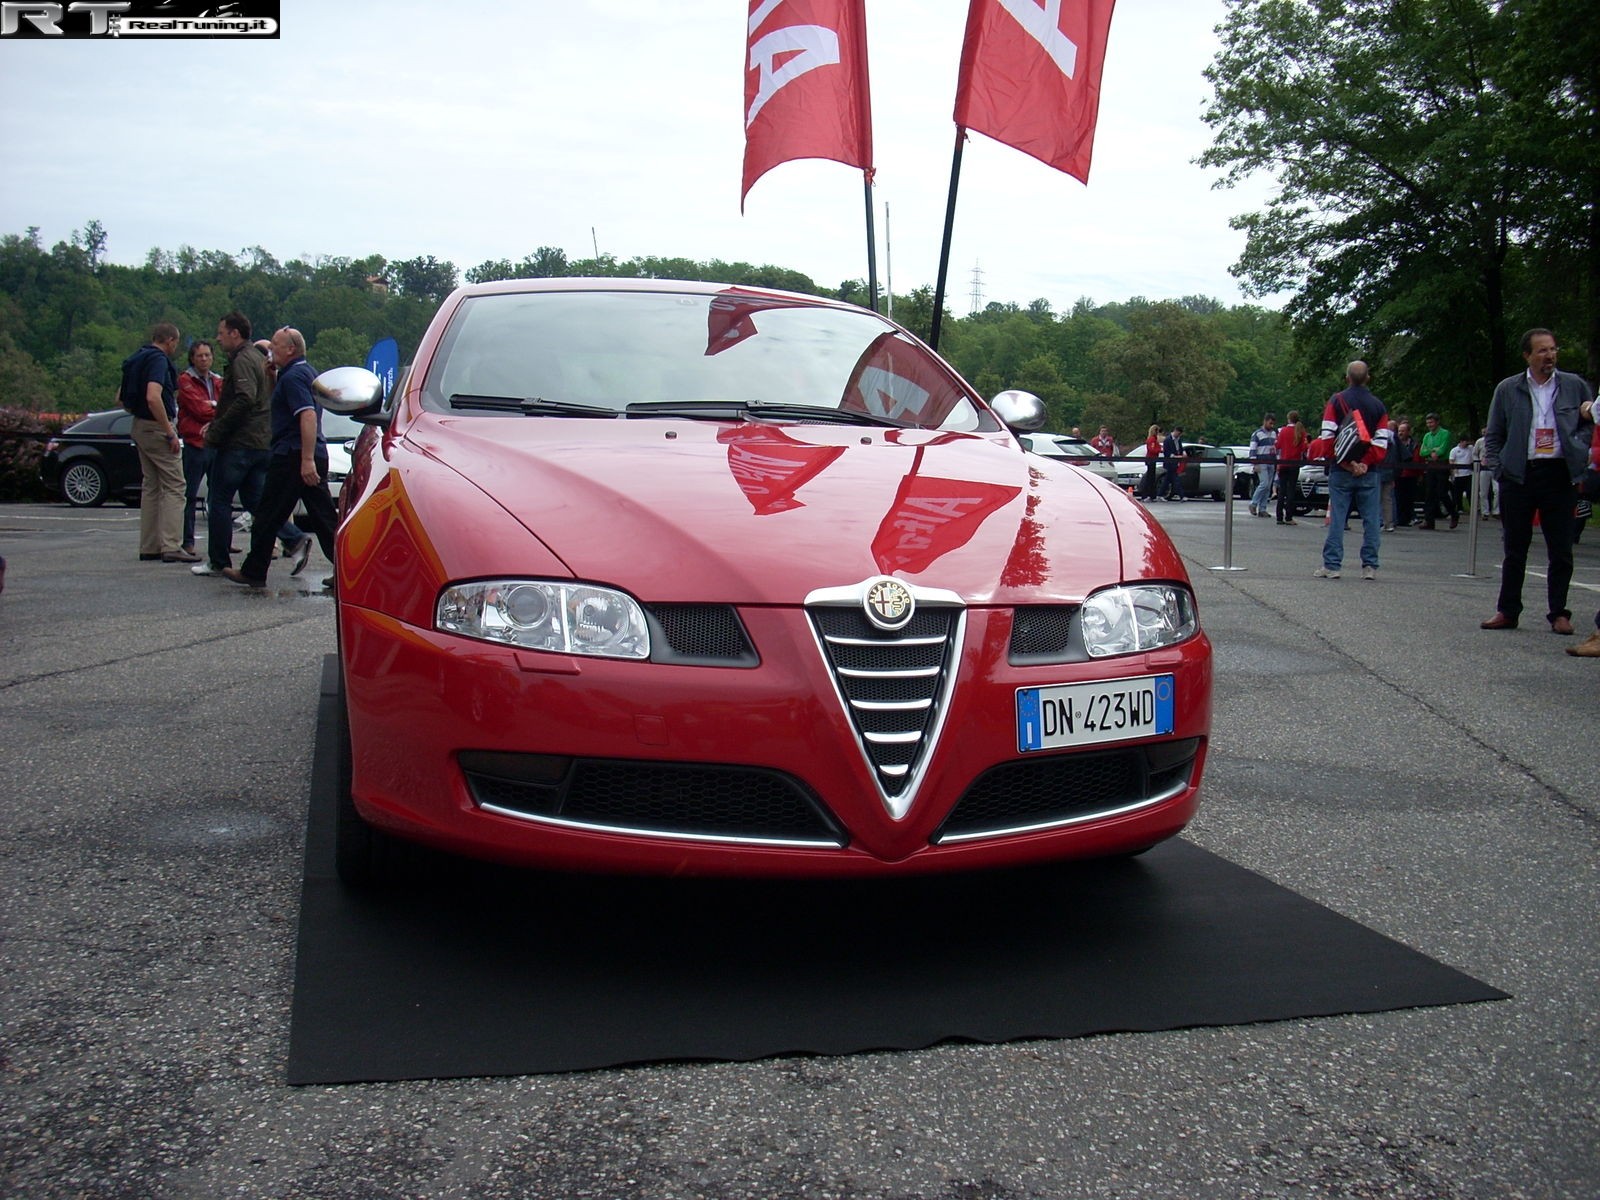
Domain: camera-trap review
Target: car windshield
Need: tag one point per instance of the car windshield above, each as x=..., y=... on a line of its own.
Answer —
x=723, y=356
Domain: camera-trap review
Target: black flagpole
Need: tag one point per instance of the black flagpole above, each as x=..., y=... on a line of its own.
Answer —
x=944, y=250
x=872, y=246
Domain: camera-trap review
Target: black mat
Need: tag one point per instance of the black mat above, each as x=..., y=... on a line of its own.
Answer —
x=496, y=973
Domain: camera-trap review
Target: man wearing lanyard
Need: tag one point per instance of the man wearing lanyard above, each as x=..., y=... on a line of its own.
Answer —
x=1537, y=443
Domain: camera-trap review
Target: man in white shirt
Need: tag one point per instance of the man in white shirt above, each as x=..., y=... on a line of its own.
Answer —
x=1537, y=444
x=1488, y=494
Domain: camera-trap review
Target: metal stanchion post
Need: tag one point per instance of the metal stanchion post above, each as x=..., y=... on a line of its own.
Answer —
x=1472, y=529
x=1227, y=519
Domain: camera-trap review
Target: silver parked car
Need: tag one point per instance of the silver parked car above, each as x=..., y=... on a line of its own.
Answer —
x=1073, y=450
x=1204, y=474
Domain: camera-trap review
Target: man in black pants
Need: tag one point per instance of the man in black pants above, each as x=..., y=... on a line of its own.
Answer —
x=1537, y=444
x=298, y=468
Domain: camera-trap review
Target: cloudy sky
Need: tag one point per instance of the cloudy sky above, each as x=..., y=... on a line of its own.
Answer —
x=472, y=131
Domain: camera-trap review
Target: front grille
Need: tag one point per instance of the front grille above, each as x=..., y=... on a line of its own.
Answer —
x=699, y=635
x=1064, y=788
x=893, y=683
x=723, y=803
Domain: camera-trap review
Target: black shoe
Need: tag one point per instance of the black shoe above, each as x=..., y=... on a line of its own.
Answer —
x=301, y=553
x=149, y=558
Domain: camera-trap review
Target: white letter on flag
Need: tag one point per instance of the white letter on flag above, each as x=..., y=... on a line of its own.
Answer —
x=813, y=45
x=1041, y=20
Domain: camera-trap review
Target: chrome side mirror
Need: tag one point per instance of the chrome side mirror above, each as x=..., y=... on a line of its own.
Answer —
x=1023, y=412
x=349, y=390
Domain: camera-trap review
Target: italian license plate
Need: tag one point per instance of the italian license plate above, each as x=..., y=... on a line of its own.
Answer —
x=1086, y=714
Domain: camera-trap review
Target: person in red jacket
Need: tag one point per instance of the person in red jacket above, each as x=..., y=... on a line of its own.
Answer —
x=1353, y=481
x=1152, y=456
x=1291, y=448
x=198, y=388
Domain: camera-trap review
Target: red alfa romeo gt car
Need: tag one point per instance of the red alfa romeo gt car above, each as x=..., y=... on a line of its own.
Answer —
x=645, y=576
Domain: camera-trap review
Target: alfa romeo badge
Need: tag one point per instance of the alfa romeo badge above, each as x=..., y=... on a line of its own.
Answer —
x=888, y=603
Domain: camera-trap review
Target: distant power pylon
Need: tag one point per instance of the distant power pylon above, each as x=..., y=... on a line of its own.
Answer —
x=977, y=288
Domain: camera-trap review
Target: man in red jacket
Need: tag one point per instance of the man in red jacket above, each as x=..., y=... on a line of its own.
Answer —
x=1352, y=477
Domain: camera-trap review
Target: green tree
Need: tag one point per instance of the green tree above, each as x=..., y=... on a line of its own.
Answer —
x=424, y=277
x=338, y=347
x=24, y=384
x=1400, y=204
x=1552, y=79
x=92, y=239
x=1169, y=366
x=547, y=262
x=490, y=270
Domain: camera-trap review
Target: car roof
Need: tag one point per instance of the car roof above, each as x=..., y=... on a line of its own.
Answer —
x=95, y=420
x=661, y=286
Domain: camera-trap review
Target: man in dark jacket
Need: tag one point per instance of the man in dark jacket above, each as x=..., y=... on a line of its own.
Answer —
x=1172, y=463
x=297, y=469
x=1541, y=422
x=1354, y=482
x=150, y=392
x=239, y=438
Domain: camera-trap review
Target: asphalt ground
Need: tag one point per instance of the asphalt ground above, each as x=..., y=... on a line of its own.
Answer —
x=1373, y=750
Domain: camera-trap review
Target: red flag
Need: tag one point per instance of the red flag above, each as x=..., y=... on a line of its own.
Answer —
x=805, y=85
x=1030, y=76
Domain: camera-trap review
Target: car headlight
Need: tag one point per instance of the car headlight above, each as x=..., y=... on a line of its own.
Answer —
x=568, y=618
x=1124, y=620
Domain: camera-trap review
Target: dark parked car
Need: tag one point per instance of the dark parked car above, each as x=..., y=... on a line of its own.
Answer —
x=93, y=460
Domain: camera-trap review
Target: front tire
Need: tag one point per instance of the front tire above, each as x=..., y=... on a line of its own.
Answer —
x=83, y=484
x=363, y=855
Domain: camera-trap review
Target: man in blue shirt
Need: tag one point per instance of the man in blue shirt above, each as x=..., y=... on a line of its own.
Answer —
x=150, y=392
x=297, y=471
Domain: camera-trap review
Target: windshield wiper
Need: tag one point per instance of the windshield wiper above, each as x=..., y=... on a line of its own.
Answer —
x=714, y=410
x=531, y=406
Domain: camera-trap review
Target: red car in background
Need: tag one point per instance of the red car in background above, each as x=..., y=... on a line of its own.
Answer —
x=681, y=578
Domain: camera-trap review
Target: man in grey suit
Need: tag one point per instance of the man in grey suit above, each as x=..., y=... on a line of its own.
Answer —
x=1540, y=425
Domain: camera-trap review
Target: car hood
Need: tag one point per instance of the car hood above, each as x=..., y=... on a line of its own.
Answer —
x=756, y=513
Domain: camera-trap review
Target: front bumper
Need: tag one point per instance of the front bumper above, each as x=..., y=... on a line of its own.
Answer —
x=551, y=761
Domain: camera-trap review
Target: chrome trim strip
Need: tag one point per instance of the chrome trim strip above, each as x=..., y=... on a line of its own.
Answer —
x=862, y=673
x=849, y=596
x=891, y=705
x=668, y=835
x=893, y=739
x=850, y=641
x=1084, y=818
